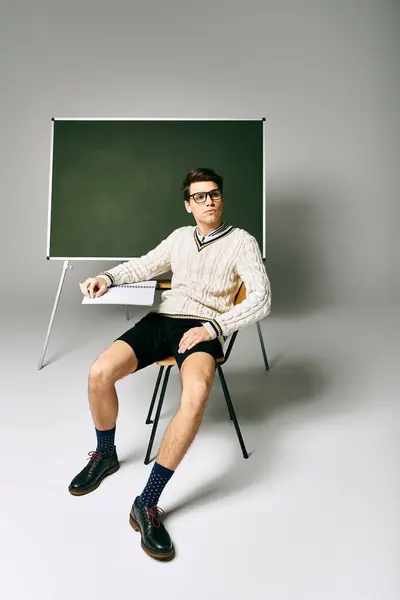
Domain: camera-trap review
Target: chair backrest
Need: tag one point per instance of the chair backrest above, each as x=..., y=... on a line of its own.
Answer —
x=230, y=340
x=241, y=295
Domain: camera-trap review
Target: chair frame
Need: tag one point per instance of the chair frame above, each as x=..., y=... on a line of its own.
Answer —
x=169, y=362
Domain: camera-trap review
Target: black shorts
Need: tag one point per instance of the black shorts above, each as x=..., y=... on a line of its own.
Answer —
x=157, y=336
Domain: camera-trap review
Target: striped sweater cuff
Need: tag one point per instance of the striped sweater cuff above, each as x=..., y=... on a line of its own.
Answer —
x=213, y=328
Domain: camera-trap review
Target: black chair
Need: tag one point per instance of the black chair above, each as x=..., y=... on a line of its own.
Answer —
x=169, y=362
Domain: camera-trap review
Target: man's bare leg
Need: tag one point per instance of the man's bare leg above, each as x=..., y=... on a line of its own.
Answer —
x=118, y=361
x=197, y=374
x=114, y=363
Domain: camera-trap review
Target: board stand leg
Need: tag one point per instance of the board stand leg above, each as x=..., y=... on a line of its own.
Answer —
x=66, y=266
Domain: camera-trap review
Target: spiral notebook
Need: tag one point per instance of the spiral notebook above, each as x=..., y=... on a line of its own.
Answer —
x=127, y=293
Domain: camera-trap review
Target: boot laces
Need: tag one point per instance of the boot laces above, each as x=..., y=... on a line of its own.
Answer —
x=154, y=512
x=94, y=456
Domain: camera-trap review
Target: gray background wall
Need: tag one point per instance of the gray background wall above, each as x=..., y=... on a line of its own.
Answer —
x=322, y=481
x=323, y=73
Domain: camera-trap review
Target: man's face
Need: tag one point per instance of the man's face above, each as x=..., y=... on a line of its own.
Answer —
x=209, y=211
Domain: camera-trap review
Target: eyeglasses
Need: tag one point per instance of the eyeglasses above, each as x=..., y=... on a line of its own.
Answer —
x=201, y=197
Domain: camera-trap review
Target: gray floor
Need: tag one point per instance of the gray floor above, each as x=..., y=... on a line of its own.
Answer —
x=311, y=514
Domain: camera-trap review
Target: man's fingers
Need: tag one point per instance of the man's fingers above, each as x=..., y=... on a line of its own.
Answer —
x=191, y=344
x=190, y=338
x=189, y=334
x=188, y=343
x=183, y=344
x=92, y=288
x=101, y=291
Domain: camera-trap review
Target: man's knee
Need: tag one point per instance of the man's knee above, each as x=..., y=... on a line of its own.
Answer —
x=100, y=372
x=117, y=361
x=197, y=375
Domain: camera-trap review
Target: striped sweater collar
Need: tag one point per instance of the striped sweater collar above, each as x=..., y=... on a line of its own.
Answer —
x=211, y=235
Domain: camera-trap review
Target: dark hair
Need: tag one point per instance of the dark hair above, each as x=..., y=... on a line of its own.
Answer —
x=200, y=174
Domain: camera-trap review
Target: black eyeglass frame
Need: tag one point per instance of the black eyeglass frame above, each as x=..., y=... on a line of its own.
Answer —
x=207, y=194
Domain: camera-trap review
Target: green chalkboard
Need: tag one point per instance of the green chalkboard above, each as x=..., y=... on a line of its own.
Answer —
x=115, y=183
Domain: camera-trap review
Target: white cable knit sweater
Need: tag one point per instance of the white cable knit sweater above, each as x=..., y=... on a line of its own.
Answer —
x=206, y=276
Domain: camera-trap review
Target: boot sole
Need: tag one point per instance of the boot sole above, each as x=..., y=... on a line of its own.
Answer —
x=94, y=487
x=160, y=555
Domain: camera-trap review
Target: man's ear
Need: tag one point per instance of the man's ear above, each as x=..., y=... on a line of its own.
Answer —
x=187, y=205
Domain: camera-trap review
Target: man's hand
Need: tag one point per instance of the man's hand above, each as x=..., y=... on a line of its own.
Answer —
x=192, y=337
x=93, y=287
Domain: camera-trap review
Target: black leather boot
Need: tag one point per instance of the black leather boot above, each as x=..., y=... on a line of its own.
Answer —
x=155, y=538
x=98, y=467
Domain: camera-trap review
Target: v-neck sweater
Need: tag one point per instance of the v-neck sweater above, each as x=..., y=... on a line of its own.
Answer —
x=214, y=232
x=206, y=276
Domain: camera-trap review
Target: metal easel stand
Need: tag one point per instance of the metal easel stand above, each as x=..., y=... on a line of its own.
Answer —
x=66, y=266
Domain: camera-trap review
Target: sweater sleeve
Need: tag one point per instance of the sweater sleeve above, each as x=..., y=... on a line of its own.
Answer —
x=145, y=267
x=257, y=304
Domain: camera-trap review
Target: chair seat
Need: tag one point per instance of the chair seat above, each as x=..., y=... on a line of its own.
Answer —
x=170, y=361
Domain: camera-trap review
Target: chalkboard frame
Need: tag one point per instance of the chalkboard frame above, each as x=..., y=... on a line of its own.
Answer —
x=119, y=258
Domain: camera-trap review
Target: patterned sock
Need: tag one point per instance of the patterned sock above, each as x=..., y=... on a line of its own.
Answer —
x=158, y=479
x=105, y=441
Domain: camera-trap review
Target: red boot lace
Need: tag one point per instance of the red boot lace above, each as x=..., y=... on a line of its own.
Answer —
x=154, y=511
x=94, y=455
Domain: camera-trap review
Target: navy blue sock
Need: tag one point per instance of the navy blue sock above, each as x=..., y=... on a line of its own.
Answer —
x=105, y=441
x=158, y=479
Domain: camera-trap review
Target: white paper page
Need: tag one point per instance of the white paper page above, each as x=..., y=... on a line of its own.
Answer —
x=132, y=293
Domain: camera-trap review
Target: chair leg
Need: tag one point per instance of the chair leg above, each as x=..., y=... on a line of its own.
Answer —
x=229, y=410
x=260, y=335
x=157, y=417
x=160, y=372
x=232, y=410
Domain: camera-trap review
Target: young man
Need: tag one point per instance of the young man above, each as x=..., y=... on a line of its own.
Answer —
x=208, y=262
